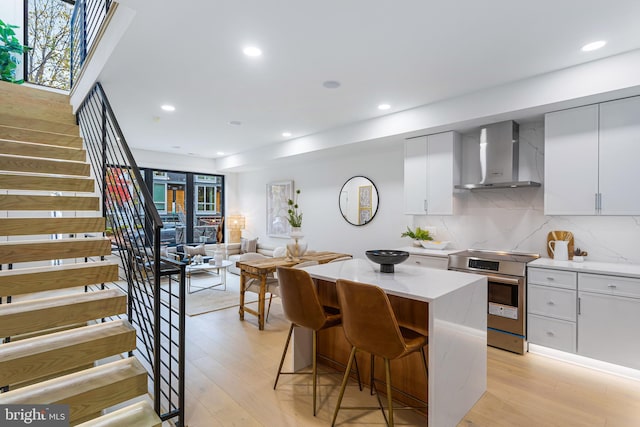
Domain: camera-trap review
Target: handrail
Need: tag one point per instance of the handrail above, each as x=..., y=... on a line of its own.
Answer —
x=146, y=194
x=131, y=213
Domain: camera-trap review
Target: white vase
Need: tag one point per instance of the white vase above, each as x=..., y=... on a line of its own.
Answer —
x=296, y=246
x=218, y=255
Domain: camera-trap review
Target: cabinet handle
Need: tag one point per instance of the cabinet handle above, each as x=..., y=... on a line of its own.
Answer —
x=425, y=205
x=612, y=286
x=579, y=311
x=551, y=279
x=551, y=303
x=599, y=202
x=596, y=200
x=551, y=334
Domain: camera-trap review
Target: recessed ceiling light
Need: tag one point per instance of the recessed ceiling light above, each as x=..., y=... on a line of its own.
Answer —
x=331, y=84
x=593, y=46
x=167, y=107
x=252, y=51
x=220, y=153
x=285, y=134
x=384, y=106
x=235, y=122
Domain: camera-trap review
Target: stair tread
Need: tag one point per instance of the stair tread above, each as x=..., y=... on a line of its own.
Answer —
x=67, y=268
x=42, y=313
x=140, y=414
x=50, y=342
x=36, y=226
x=40, y=250
x=38, y=279
x=65, y=388
x=20, y=128
x=46, y=182
x=45, y=355
x=56, y=301
x=45, y=203
x=51, y=242
x=27, y=163
x=34, y=149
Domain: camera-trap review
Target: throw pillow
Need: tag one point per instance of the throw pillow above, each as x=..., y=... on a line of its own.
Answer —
x=195, y=250
x=248, y=245
x=280, y=252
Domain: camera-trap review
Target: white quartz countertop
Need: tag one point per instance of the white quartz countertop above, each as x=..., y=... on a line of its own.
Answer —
x=628, y=270
x=414, y=250
x=419, y=283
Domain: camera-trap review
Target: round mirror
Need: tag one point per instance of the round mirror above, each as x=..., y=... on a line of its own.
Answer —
x=358, y=200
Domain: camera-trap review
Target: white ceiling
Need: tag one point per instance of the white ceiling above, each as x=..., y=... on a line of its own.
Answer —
x=406, y=53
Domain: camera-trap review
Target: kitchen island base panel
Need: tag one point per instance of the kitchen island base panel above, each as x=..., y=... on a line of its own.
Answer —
x=457, y=352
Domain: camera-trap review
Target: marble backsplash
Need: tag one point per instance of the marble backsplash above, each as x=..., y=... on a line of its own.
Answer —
x=513, y=219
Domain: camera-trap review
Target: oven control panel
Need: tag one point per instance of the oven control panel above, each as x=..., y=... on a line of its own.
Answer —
x=503, y=310
x=483, y=264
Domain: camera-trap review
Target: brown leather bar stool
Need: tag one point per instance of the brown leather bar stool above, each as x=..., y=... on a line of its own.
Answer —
x=370, y=325
x=302, y=307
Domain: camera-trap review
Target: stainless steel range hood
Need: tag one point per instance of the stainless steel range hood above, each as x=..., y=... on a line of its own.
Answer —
x=498, y=158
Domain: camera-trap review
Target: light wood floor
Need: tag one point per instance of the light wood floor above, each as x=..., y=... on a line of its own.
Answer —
x=231, y=367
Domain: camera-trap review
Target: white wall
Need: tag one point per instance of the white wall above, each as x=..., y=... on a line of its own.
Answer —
x=500, y=219
x=320, y=182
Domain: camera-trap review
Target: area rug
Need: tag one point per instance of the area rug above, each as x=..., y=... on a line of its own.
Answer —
x=214, y=299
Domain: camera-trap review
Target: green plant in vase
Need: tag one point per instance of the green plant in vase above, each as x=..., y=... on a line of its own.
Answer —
x=10, y=49
x=417, y=235
x=294, y=216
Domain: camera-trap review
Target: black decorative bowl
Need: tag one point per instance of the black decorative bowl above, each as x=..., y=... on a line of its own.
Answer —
x=387, y=258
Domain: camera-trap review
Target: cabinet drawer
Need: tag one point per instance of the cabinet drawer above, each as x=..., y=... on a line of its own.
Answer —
x=610, y=285
x=552, y=333
x=555, y=278
x=553, y=302
x=427, y=261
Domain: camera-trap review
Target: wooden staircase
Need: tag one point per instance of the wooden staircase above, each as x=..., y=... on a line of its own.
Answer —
x=56, y=349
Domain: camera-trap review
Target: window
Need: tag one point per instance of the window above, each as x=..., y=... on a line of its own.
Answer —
x=160, y=196
x=206, y=198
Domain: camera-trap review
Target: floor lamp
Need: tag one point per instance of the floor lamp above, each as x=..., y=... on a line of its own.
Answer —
x=236, y=224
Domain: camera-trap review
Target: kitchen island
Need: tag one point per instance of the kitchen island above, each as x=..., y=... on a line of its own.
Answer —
x=451, y=306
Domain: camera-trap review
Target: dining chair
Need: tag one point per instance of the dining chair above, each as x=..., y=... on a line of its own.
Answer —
x=302, y=307
x=370, y=325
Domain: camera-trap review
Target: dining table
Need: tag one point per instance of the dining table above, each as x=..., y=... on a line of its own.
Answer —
x=261, y=269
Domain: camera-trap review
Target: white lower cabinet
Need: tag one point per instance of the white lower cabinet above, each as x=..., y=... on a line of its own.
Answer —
x=608, y=319
x=551, y=308
x=552, y=333
x=593, y=315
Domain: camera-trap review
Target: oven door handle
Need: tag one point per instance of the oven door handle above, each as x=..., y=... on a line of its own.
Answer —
x=505, y=280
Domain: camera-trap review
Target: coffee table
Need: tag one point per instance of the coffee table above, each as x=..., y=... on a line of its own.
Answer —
x=211, y=269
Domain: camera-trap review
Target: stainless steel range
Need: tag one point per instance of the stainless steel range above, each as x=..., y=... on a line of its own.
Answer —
x=506, y=274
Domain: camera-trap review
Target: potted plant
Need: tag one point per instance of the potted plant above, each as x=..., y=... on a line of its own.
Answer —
x=10, y=50
x=418, y=235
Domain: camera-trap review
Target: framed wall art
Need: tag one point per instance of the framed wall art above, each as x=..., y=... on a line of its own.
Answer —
x=364, y=204
x=278, y=193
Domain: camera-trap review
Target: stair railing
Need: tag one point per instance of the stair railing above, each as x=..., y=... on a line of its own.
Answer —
x=87, y=18
x=156, y=301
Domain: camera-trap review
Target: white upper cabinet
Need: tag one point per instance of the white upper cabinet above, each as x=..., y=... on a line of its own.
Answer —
x=620, y=157
x=571, y=161
x=431, y=169
x=591, y=159
x=415, y=176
